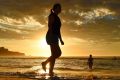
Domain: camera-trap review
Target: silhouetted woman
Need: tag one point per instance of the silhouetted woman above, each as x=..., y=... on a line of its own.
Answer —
x=52, y=37
x=90, y=62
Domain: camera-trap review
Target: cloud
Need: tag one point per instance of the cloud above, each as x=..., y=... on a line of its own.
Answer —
x=92, y=20
x=19, y=29
x=95, y=24
x=21, y=8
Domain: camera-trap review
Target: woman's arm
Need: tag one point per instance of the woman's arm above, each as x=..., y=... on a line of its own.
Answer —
x=59, y=35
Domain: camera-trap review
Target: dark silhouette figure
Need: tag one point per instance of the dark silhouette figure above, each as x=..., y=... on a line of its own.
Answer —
x=90, y=62
x=52, y=37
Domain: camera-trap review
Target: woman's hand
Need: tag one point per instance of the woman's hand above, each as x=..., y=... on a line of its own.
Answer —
x=62, y=43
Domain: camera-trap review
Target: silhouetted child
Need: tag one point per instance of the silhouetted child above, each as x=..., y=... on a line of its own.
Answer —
x=90, y=62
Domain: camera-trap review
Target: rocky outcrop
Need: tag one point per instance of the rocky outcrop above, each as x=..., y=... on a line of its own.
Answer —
x=6, y=52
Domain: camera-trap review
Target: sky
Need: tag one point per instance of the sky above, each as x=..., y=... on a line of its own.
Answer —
x=88, y=26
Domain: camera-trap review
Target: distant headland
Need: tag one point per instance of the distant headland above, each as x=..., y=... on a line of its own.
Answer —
x=5, y=52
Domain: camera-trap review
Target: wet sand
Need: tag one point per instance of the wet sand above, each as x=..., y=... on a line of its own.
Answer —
x=64, y=75
x=13, y=78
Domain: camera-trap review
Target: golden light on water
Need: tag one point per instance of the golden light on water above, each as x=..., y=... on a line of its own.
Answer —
x=40, y=70
x=43, y=72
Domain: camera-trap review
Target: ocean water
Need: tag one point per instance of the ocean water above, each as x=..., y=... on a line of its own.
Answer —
x=75, y=66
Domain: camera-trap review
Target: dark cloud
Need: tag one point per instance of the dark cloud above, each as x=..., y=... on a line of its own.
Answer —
x=97, y=28
x=20, y=8
x=102, y=30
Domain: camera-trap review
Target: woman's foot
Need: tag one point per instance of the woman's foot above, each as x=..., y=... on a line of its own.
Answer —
x=51, y=73
x=44, y=66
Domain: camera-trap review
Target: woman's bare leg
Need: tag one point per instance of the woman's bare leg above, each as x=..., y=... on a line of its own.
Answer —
x=50, y=59
x=45, y=63
x=56, y=52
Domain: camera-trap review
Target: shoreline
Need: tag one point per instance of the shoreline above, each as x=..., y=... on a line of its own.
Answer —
x=62, y=57
x=62, y=75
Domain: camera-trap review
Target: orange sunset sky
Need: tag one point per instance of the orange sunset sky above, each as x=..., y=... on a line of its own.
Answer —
x=88, y=26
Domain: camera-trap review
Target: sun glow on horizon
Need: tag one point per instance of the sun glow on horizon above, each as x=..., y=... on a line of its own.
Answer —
x=43, y=44
x=44, y=47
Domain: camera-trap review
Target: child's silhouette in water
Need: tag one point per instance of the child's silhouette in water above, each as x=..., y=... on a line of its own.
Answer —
x=90, y=62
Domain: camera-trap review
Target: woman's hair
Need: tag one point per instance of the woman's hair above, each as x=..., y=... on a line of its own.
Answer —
x=55, y=6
